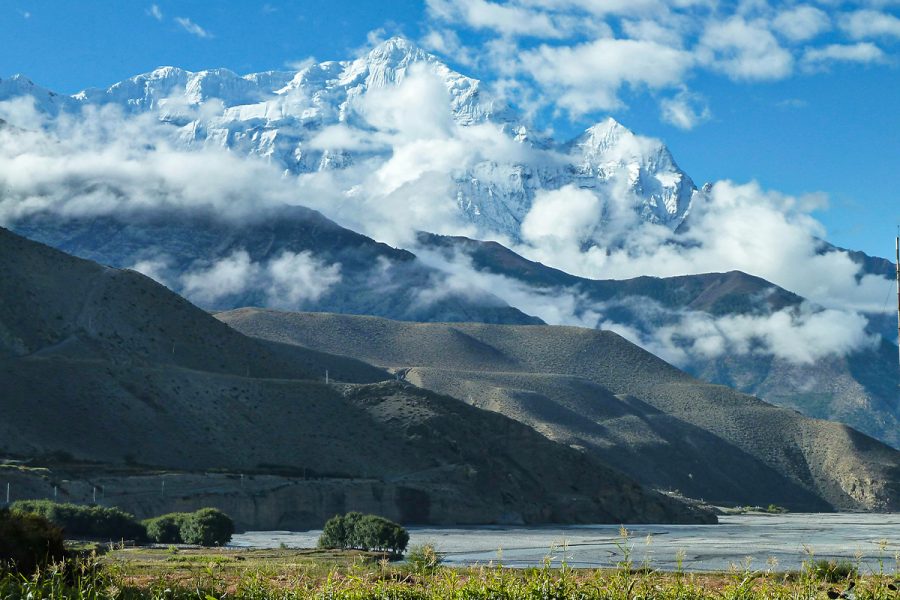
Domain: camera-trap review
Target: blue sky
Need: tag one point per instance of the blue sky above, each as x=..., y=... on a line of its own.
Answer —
x=815, y=110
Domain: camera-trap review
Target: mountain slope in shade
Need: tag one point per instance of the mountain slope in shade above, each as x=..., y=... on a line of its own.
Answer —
x=576, y=384
x=859, y=389
x=288, y=257
x=115, y=374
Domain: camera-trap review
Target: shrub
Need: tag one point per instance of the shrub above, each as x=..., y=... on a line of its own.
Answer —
x=85, y=521
x=334, y=533
x=834, y=571
x=165, y=529
x=364, y=532
x=206, y=527
x=28, y=541
x=424, y=559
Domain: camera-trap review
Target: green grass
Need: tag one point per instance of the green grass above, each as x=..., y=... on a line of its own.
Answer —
x=283, y=574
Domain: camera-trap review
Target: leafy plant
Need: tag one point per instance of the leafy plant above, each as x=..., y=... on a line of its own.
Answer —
x=165, y=529
x=364, y=532
x=28, y=541
x=77, y=520
x=206, y=527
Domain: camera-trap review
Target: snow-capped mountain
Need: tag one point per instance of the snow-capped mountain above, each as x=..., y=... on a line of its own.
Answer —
x=281, y=117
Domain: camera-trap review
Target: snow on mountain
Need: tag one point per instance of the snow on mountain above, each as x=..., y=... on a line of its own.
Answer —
x=19, y=87
x=283, y=117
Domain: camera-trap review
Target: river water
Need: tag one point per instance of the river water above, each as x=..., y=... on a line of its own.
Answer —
x=776, y=542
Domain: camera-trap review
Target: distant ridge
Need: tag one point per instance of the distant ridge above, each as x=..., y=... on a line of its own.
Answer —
x=594, y=390
x=107, y=375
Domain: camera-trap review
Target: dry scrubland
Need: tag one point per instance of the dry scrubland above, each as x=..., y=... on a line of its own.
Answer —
x=176, y=574
x=596, y=391
x=119, y=375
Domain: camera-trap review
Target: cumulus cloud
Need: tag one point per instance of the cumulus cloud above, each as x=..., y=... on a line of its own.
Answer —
x=800, y=335
x=862, y=24
x=226, y=277
x=732, y=227
x=288, y=280
x=685, y=110
x=22, y=112
x=744, y=50
x=584, y=56
x=801, y=23
x=566, y=217
x=102, y=161
x=296, y=278
x=510, y=20
x=588, y=76
x=863, y=52
x=192, y=28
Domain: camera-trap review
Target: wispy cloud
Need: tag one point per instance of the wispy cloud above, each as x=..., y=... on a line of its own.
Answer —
x=155, y=12
x=686, y=110
x=193, y=28
x=863, y=52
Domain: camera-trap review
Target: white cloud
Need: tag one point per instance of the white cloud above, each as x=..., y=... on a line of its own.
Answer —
x=744, y=50
x=685, y=110
x=567, y=216
x=229, y=276
x=192, y=28
x=862, y=52
x=588, y=76
x=734, y=227
x=296, y=278
x=507, y=19
x=446, y=42
x=156, y=268
x=802, y=23
x=289, y=280
x=22, y=112
x=155, y=12
x=800, y=335
x=300, y=65
x=871, y=23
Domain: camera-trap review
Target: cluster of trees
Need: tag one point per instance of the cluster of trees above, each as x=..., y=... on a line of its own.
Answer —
x=96, y=522
x=364, y=532
x=205, y=527
x=28, y=541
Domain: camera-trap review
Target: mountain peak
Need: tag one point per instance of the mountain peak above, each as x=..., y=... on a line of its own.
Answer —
x=605, y=132
x=396, y=49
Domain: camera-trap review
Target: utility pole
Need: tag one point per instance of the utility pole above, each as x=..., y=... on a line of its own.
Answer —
x=7, y=493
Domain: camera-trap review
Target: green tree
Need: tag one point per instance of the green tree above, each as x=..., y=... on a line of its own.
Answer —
x=364, y=532
x=207, y=527
x=165, y=529
x=28, y=542
x=334, y=533
x=78, y=520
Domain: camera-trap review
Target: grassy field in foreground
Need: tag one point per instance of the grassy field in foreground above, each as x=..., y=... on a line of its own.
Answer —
x=286, y=574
